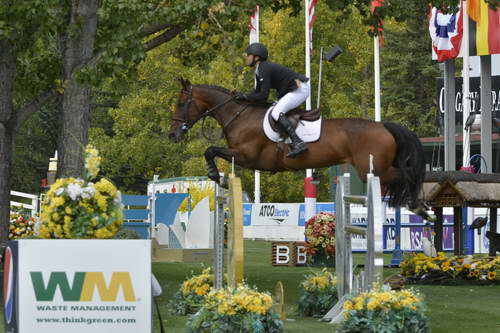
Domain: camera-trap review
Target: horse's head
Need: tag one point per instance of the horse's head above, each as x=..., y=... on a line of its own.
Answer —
x=187, y=112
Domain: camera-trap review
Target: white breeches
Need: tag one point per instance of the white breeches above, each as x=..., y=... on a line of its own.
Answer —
x=292, y=100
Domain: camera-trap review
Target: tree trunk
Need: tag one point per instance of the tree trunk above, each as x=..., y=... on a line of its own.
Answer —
x=76, y=101
x=7, y=126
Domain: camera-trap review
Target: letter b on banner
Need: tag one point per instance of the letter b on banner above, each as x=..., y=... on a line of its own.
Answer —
x=288, y=254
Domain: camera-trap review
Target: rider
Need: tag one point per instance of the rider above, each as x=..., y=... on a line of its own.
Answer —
x=293, y=89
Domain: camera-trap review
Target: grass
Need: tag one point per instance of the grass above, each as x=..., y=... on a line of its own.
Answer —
x=450, y=308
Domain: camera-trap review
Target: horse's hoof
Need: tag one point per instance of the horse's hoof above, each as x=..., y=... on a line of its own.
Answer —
x=214, y=177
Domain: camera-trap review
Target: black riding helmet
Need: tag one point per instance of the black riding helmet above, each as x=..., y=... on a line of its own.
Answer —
x=257, y=49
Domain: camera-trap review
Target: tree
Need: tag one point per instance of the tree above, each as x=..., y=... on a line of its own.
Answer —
x=407, y=51
x=22, y=26
x=76, y=44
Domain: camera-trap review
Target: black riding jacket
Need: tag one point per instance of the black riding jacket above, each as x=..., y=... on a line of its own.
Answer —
x=275, y=76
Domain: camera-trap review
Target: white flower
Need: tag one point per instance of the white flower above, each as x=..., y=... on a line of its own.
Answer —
x=74, y=190
x=88, y=192
x=118, y=199
x=59, y=191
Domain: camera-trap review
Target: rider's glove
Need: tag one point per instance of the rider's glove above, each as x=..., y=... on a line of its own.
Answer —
x=238, y=95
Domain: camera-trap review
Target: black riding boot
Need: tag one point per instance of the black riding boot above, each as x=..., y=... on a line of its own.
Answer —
x=297, y=146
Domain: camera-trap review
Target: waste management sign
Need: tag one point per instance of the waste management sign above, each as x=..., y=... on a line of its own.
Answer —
x=81, y=286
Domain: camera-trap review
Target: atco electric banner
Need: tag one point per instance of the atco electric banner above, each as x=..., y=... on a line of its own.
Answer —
x=275, y=214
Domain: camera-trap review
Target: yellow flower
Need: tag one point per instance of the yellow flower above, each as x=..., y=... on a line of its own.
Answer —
x=348, y=306
x=372, y=305
x=359, y=305
x=492, y=275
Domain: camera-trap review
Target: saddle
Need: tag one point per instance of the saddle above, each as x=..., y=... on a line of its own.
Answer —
x=295, y=116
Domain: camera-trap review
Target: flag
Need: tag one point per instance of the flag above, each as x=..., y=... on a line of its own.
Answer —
x=312, y=18
x=446, y=32
x=474, y=9
x=484, y=29
x=374, y=5
x=253, y=26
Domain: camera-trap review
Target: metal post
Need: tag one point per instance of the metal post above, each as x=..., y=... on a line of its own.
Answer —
x=397, y=253
x=486, y=114
x=346, y=215
x=376, y=55
x=319, y=76
x=374, y=263
x=219, y=237
x=450, y=159
x=493, y=228
x=465, y=89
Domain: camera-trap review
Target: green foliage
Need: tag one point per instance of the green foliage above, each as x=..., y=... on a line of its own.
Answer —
x=409, y=75
x=125, y=233
x=191, y=295
x=317, y=294
x=236, y=310
x=383, y=310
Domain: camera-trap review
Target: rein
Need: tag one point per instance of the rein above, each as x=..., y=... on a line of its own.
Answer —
x=188, y=124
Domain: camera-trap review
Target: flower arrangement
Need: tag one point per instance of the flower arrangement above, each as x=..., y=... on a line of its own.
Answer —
x=198, y=193
x=80, y=208
x=20, y=226
x=320, y=235
x=192, y=293
x=421, y=268
x=318, y=294
x=242, y=309
x=385, y=310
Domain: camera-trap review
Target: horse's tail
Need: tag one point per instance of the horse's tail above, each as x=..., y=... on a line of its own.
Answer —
x=410, y=161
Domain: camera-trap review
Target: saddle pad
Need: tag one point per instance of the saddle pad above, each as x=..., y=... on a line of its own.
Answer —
x=308, y=131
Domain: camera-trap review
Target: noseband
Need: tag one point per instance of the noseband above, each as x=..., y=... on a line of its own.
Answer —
x=186, y=125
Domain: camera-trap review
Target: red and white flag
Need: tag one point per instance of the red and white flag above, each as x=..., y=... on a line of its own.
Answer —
x=446, y=32
x=373, y=7
x=312, y=18
x=253, y=26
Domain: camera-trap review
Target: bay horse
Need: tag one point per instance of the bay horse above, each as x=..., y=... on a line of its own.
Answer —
x=398, y=154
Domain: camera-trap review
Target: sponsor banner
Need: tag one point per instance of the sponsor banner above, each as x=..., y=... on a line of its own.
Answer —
x=411, y=237
x=10, y=274
x=327, y=207
x=275, y=214
x=84, y=286
x=475, y=94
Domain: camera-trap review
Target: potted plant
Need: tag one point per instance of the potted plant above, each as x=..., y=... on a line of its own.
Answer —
x=320, y=239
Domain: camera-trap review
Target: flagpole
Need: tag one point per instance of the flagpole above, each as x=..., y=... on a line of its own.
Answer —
x=255, y=24
x=308, y=51
x=465, y=87
x=309, y=186
x=376, y=55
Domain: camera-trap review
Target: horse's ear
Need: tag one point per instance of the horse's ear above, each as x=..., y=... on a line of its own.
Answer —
x=182, y=82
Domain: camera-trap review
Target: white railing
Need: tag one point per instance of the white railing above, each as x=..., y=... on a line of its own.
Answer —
x=33, y=206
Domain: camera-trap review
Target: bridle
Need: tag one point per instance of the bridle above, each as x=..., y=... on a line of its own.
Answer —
x=186, y=125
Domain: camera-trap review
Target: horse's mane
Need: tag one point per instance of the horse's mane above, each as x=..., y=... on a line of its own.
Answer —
x=227, y=91
x=209, y=86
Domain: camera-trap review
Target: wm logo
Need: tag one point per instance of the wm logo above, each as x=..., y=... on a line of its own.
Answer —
x=83, y=287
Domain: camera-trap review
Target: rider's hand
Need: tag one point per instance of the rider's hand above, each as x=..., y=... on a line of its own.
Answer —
x=238, y=95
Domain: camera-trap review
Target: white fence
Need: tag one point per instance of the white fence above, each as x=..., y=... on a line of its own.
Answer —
x=32, y=207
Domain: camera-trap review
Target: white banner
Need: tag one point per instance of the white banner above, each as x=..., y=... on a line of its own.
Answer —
x=83, y=286
x=275, y=214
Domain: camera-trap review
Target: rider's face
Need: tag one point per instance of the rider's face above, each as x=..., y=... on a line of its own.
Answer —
x=249, y=59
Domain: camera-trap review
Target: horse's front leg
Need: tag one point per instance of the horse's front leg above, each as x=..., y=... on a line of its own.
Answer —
x=211, y=153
